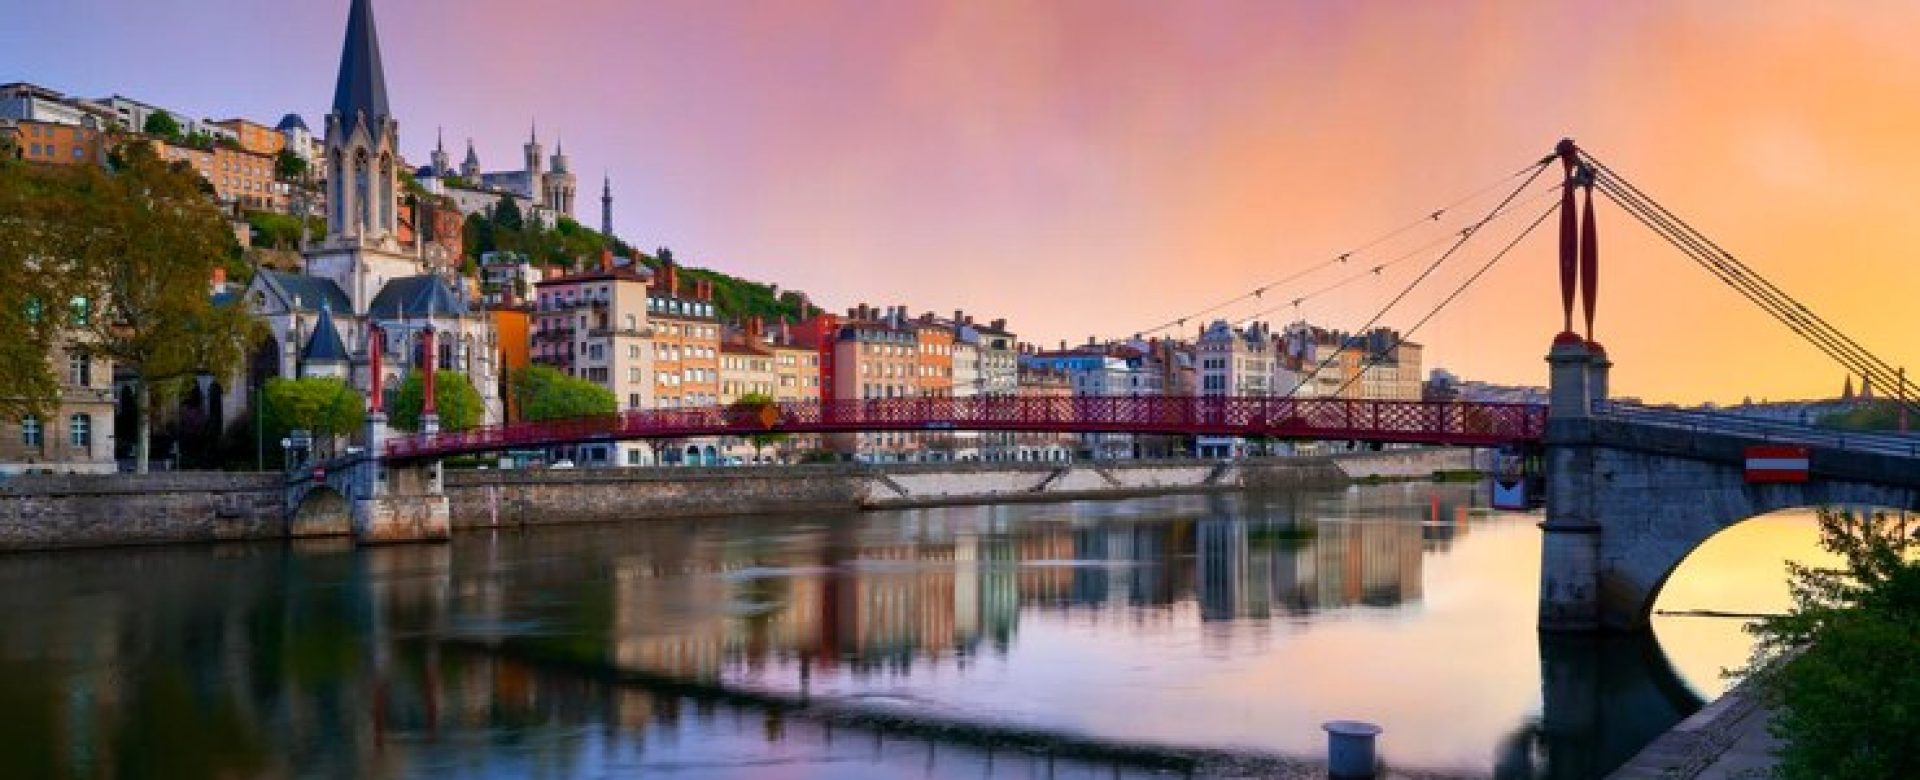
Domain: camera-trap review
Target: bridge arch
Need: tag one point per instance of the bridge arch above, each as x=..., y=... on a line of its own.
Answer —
x=1655, y=510
x=320, y=510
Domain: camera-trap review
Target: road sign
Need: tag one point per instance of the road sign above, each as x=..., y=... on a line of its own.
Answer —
x=1776, y=464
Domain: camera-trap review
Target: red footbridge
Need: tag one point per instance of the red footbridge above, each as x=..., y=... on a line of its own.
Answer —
x=1389, y=422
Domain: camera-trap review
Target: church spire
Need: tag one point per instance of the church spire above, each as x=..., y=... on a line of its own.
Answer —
x=362, y=86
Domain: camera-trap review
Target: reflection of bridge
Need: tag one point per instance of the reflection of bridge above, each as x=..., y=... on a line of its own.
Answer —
x=1630, y=491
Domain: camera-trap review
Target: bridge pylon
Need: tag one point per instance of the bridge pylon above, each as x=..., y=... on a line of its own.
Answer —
x=394, y=503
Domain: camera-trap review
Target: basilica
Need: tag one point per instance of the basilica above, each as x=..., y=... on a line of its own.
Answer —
x=369, y=270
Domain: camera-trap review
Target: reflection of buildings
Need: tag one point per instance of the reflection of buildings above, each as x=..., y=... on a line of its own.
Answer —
x=1254, y=568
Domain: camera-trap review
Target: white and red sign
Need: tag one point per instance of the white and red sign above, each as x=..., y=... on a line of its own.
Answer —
x=1776, y=464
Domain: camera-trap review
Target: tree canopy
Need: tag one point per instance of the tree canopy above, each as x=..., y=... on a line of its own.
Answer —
x=1842, y=662
x=324, y=406
x=542, y=393
x=289, y=166
x=162, y=124
x=455, y=400
x=39, y=274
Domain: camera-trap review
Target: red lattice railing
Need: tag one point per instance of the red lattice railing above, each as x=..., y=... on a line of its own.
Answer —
x=1418, y=422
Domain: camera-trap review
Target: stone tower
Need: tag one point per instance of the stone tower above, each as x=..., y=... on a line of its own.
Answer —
x=442, y=162
x=470, y=168
x=557, y=186
x=362, y=139
x=535, y=165
x=361, y=250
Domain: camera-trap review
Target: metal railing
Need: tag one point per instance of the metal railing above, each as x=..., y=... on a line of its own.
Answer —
x=1418, y=422
x=1770, y=431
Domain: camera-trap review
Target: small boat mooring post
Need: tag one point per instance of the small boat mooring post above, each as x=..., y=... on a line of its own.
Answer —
x=1350, y=753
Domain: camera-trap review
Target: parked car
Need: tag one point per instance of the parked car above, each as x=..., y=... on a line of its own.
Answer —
x=561, y=464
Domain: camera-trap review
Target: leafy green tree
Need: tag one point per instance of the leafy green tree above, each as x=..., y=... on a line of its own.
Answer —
x=1842, y=663
x=454, y=399
x=162, y=124
x=1880, y=415
x=289, y=166
x=146, y=242
x=506, y=214
x=542, y=393
x=752, y=403
x=40, y=267
x=322, y=405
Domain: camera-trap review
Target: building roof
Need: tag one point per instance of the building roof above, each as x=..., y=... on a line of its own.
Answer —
x=362, y=86
x=307, y=292
x=417, y=296
x=325, y=346
x=292, y=122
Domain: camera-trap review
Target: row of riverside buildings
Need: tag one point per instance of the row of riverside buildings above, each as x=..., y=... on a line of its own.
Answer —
x=387, y=272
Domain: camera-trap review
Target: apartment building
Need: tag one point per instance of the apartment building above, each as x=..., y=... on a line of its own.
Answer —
x=54, y=143
x=686, y=341
x=239, y=177
x=74, y=433
x=253, y=136
x=594, y=325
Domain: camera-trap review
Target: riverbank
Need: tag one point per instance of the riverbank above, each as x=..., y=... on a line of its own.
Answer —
x=46, y=512
x=1726, y=740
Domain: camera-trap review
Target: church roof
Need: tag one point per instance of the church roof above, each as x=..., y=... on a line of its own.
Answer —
x=292, y=122
x=472, y=159
x=362, y=86
x=325, y=346
x=417, y=296
x=307, y=292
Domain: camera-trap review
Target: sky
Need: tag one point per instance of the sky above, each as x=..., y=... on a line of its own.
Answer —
x=1100, y=167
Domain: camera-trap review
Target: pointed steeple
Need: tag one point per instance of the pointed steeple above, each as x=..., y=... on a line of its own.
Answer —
x=472, y=158
x=1846, y=391
x=439, y=139
x=362, y=86
x=324, y=347
x=606, y=207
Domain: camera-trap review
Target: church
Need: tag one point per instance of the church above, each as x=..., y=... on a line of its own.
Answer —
x=361, y=275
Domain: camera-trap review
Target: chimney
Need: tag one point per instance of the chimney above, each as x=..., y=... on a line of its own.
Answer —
x=606, y=260
x=1000, y=324
x=219, y=279
x=1063, y=345
x=959, y=317
x=672, y=285
x=756, y=327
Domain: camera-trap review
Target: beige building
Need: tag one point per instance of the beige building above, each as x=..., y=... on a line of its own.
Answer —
x=74, y=434
x=255, y=137
x=239, y=177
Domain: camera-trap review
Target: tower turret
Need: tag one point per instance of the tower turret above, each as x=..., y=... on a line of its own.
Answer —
x=362, y=139
x=606, y=207
x=442, y=162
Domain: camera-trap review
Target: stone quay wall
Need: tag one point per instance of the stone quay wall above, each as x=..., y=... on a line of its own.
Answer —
x=54, y=511
x=48, y=512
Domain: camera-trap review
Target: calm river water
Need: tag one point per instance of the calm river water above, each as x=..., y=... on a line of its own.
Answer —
x=1235, y=622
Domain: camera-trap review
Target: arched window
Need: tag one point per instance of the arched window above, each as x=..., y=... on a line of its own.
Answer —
x=30, y=434
x=362, y=211
x=80, y=430
x=386, y=193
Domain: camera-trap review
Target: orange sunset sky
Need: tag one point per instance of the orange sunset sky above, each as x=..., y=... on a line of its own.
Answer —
x=1098, y=166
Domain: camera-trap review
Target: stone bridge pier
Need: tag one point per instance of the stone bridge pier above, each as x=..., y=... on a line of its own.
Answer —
x=1627, y=501
x=374, y=501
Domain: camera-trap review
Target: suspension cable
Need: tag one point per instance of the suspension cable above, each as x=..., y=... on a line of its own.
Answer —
x=1465, y=235
x=1750, y=284
x=1419, y=251
x=1374, y=359
x=1531, y=171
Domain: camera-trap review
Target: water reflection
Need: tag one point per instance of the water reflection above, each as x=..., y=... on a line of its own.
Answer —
x=1235, y=622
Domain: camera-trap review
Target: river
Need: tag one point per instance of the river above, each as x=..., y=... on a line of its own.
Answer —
x=954, y=642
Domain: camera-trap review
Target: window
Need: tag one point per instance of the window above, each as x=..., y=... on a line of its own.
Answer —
x=30, y=431
x=633, y=402
x=80, y=430
x=633, y=375
x=79, y=370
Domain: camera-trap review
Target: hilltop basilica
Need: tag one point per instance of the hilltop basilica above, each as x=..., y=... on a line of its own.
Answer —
x=362, y=273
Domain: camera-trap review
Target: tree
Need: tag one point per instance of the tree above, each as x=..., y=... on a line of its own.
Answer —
x=454, y=399
x=146, y=242
x=39, y=272
x=506, y=214
x=754, y=404
x=289, y=166
x=1841, y=664
x=322, y=405
x=162, y=124
x=542, y=393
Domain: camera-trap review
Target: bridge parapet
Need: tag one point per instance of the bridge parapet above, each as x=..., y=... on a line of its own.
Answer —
x=363, y=494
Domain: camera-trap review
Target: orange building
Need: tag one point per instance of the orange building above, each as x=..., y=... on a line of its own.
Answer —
x=934, y=372
x=254, y=137
x=511, y=328
x=239, y=177
x=46, y=142
x=686, y=341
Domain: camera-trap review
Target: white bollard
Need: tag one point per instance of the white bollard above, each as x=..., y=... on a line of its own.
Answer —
x=1350, y=754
